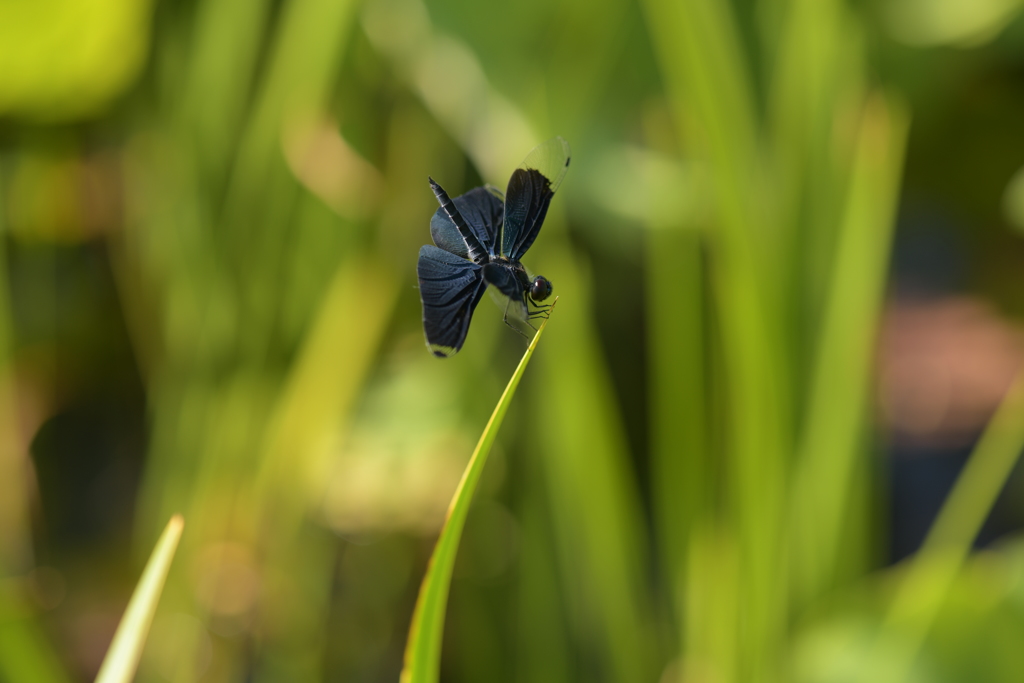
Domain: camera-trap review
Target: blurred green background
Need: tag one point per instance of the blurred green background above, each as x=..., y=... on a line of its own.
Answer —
x=788, y=255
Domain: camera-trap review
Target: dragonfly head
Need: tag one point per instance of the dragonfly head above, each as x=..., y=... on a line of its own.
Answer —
x=540, y=288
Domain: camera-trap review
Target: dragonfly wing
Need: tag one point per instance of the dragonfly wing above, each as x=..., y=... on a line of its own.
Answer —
x=496, y=191
x=529, y=194
x=483, y=213
x=450, y=289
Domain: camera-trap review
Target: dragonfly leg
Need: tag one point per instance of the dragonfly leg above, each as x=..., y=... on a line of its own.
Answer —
x=540, y=311
x=505, y=320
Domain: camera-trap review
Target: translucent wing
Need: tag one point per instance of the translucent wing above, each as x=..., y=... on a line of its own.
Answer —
x=529, y=193
x=496, y=191
x=481, y=210
x=450, y=289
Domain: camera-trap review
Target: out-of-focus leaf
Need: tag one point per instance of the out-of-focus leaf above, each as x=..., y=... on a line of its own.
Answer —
x=593, y=494
x=707, y=69
x=925, y=587
x=962, y=23
x=1013, y=200
x=643, y=185
x=62, y=59
x=453, y=85
x=840, y=386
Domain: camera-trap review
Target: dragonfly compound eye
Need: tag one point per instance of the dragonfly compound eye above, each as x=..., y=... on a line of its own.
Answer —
x=540, y=289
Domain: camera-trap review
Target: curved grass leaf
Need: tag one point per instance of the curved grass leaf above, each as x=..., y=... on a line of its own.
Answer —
x=423, y=649
x=126, y=648
x=927, y=581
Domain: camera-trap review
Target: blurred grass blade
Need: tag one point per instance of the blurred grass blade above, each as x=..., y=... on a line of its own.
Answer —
x=928, y=579
x=423, y=650
x=593, y=496
x=323, y=382
x=680, y=462
x=126, y=648
x=839, y=391
x=961, y=23
x=703, y=63
x=706, y=71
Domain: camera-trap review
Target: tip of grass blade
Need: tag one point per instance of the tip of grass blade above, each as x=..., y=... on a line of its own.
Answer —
x=533, y=342
x=126, y=648
x=423, y=649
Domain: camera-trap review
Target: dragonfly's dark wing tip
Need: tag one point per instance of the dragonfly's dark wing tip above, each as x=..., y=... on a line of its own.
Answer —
x=441, y=351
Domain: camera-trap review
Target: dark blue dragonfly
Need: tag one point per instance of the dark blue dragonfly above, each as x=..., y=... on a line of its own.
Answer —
x=480, y=237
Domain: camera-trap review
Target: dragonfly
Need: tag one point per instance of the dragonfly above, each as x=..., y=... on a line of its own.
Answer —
x=479, y=239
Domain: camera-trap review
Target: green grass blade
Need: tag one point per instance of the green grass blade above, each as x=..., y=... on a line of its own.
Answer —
x=601, y=538
x=680, y=463
x=126, y=648
x=840, y=386
x=423, y=650
x=930, y=576
x=699, y=48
